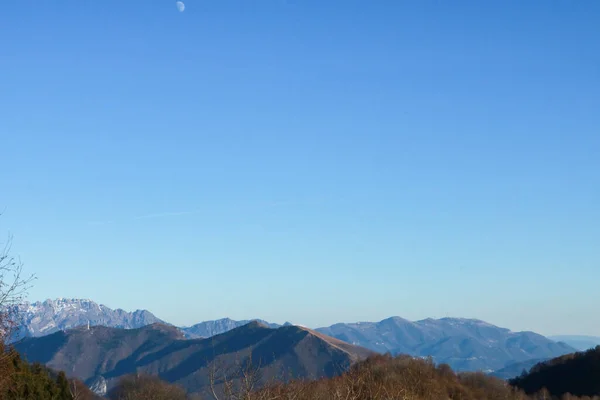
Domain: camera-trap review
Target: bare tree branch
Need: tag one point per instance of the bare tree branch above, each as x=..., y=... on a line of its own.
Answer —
x=14, y=286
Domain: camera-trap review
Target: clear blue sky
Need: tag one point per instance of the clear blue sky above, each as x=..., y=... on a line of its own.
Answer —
x=304, y=160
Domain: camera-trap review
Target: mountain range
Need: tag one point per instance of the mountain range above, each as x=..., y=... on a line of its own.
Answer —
x=578, y=341
x=43, y=318
x=207, y=329
x=516, y=369
x=162, y=350
x=464, y=344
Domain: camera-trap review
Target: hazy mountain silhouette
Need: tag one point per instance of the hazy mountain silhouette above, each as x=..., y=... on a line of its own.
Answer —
x=579, y=342
x=464, y=344
x=208, y=329
x=515, y=369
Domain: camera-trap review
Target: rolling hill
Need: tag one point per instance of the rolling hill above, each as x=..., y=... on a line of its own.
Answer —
x=101, y=355
x=464, y=344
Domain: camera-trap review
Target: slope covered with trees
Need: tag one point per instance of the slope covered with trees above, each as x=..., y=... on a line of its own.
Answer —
x=381, y=377
x=576, y=374
x=20, y=380
x=162, y=350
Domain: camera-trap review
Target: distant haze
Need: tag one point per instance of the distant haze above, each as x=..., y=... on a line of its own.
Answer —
x=577, y=341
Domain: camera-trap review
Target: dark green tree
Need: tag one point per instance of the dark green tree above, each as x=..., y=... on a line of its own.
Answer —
x=62, y=385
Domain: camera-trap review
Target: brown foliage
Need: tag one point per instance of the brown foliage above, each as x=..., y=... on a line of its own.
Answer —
x=13, y=287
x=396, y=378
x=388, y=378
x=79, y=391
x=142, y=387
x=381, y=377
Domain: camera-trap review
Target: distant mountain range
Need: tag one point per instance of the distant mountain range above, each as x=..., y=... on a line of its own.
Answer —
x=578, y=341
x=515, y=369
x=158, y=349
x=43, y=318
x=207, y=329
x=464, y=344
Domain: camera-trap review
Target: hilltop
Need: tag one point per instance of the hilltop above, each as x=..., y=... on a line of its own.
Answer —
x=464, y=344
x=162, y=350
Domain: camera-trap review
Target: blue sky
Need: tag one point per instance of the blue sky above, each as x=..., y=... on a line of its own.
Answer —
x=303, y=160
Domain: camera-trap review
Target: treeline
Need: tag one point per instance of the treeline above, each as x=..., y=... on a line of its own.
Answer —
x=20, y=380
x=381, y=377
x=378, y=378
x=576, y=374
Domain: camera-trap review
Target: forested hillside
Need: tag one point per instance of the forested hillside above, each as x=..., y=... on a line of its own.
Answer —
x=575, y=374
x=20, y=380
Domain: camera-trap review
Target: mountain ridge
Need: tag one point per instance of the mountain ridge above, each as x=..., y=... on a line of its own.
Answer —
x=159, y=349
x=206, y=329
x=465, y=344
x=51, y=315
x=580, y=342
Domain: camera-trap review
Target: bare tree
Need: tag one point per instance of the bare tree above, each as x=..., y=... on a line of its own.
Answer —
x=13, y=288
x=78, y=390
x=240, y=380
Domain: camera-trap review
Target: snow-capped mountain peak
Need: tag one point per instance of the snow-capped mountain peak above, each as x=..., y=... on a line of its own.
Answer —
x=43, y=318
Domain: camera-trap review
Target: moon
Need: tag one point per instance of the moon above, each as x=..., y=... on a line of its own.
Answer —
x=180, y=6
